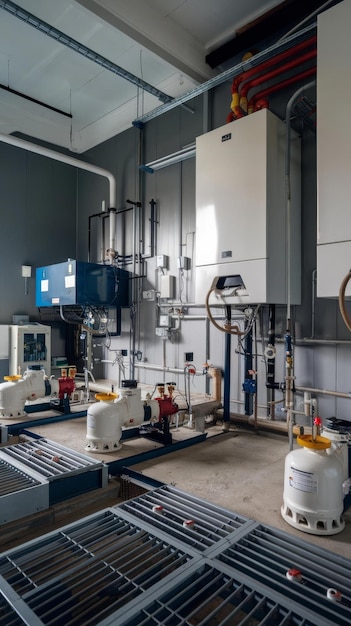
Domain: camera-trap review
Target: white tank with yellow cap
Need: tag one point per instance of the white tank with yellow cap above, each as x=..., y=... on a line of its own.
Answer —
x=313, y=487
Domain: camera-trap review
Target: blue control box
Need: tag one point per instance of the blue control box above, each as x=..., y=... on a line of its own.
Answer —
x=75, y=282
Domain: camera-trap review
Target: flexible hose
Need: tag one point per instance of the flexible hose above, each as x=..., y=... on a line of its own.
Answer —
x=227, y=327
x=342, y=306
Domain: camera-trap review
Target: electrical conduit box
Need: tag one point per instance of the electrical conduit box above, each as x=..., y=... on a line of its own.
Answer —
x=241, y=212
x=167, y=286
x=75, y=282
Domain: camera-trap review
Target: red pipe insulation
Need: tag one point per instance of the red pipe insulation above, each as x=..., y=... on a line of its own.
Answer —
x=277, y=59
x=259, y=101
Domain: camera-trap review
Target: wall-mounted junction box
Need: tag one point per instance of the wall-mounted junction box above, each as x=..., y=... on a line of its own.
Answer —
x=241, y=210
x=167, y=286
x=183, y=263
x=164, y=320
x=149, y=294
x=162, y=261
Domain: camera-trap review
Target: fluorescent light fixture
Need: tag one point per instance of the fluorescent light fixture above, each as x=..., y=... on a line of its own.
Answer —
x=170, y=159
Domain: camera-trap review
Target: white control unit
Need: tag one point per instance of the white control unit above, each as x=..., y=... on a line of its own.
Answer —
x=29, y=345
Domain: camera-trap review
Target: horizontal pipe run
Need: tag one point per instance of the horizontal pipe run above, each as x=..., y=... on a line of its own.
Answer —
x=325, y=392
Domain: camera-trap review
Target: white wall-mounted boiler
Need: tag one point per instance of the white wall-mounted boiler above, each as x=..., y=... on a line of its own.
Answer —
x=241, y=211
x=333, y=150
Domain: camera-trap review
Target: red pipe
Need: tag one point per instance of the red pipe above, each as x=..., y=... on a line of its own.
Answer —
x=273, y=60
x=235, y=108
x=272, y=74
x=259, y=100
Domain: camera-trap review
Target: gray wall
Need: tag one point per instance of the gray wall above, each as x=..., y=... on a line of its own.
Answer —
x=38, y=223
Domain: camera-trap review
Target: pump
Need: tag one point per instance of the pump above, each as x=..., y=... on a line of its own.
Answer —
x=34, y=384
x=124, y=409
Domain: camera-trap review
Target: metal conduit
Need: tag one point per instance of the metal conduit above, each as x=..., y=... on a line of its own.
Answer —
x=229, y=74
x=80, y=48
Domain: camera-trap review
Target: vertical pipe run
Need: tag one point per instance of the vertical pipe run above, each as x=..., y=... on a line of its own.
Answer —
x=248, y=369
x=289, y=368
x=227, y=370
x=271, y=363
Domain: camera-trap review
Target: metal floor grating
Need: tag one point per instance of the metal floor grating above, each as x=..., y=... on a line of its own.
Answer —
x=8, y=615
x=49, y=459
x=268, y=554
x=186, y=517
x=13, y=479
x=88, y=570
x=21, y=493
x=207, y=596
x=124, y=566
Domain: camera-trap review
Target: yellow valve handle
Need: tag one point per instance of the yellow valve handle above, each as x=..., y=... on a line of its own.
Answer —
x=13, y=378
x=319, y=443
x=106, y=397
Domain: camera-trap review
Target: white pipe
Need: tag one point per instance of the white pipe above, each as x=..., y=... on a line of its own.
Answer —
x=63, y=158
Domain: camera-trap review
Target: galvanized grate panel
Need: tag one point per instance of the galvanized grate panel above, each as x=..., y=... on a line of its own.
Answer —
x=89, y=570
x=113, y=569
x=49, y=458
x=191, y=520
x=210, y=597
x=21, y=492
x=13, y=479
x=8, y=616
x=266, y=555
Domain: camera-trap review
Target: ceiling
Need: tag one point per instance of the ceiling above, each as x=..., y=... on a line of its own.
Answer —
x=75, y=98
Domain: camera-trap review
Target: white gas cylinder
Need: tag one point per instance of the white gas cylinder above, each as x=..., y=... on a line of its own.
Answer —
x=313, y=487
x=104, y=423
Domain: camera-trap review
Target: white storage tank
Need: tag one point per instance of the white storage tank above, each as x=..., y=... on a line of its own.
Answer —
x=313, y=499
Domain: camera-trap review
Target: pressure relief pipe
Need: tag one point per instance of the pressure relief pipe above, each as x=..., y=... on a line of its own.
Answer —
x=63, y=158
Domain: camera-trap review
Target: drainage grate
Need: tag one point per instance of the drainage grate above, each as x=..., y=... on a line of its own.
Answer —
x=115, y=568
x=8, y=616
x=89, y=570
x=49, y=458
x=191, y=520
x=267, y=555
x=20, y=493
x=13, y=480
x=210, y=597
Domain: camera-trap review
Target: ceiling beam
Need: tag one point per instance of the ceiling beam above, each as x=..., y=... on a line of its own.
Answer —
x=278, y=20
x=139, y=21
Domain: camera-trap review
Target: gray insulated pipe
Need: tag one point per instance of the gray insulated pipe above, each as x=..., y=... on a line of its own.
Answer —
x=63, y=158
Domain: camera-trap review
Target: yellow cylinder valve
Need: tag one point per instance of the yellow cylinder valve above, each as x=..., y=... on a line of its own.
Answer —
x=106, y=397
x=317, y=443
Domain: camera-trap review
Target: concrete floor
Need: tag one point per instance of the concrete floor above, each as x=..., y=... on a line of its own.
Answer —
x=241, y=470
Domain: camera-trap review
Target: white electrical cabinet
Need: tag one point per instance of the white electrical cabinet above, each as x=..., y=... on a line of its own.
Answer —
x=242, y=228
x=333, y=150
x=29, y=345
